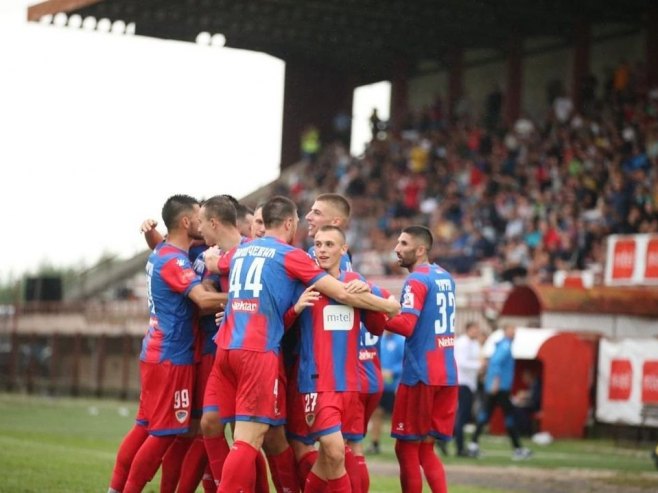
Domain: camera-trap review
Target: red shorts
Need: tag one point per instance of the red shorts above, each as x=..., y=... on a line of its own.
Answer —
x=367, y=405
x=296, y=427
x=249, y=389
x=202, y=369
x=211, y=393
x=165, y=401
x=326, y=412
x=421, y=410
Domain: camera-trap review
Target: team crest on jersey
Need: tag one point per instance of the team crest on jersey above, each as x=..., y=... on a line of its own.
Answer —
x=181, y=416
x=310, y=419
x=407, y=298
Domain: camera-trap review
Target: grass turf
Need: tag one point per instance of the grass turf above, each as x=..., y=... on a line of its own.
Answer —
x=68, y=445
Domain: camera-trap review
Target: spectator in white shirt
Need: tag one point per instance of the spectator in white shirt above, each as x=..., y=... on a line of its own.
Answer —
x=468, y=357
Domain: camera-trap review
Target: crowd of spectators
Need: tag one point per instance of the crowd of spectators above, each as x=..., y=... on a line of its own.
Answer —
x=529, y=198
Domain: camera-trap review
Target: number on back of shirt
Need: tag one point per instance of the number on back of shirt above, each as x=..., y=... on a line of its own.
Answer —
x=252, y=280
x=181, y=399
x=445, y=322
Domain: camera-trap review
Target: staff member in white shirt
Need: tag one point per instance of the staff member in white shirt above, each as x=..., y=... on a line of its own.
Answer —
x=468, y=353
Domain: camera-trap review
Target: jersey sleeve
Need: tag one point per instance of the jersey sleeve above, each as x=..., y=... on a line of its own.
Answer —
x=290, y=316
x=413, y=296
x=300, y=266
x=376, y=321
x=179, y=275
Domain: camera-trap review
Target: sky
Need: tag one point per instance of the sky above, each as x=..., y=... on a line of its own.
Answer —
x=98, y=129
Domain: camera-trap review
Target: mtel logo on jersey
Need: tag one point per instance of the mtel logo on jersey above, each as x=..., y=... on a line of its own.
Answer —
x=245, y=306
x=338, y=317
x=621, y=380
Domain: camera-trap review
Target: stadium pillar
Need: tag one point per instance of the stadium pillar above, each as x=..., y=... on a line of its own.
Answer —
x=100, y=364
x=652, y=44
x=399, y=94
x=514, y=80
x=54, y=363
x=75, y=370
x=581, y=59
x=127, y=360
x=455, y=61
x=313, y=95
x=30, y=370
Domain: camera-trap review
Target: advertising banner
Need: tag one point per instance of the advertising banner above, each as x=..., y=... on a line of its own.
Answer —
x=627, y=380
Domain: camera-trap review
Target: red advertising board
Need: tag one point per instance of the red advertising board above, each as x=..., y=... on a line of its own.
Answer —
x=651, y=262
x=650, y=382
x=623, y=259
x=621, y=380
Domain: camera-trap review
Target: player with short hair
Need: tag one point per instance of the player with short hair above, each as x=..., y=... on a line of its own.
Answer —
x=257, y=226
x=328, y=368
x=426, y=401
x=167, y=357
x=262, y=280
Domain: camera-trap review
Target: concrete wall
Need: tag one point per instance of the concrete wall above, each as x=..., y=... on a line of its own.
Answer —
x=545, y=62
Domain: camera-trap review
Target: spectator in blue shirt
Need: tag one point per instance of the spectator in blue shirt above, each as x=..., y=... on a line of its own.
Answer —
x=392, y=352
x=497, y=387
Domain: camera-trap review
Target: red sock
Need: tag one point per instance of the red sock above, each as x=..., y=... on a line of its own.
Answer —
x=262, y=483
x=194, y=464
x=283, y=470
x=146, y=462
x=314, y=484
x=365, y=475
x=340, y=485
x=305, y=464
x=408, y=455
x=217, y=450
x=239, y=469
x=353, y=470
x=127, y=451
x=208, y=481
x=433, y=468
x=172, y=463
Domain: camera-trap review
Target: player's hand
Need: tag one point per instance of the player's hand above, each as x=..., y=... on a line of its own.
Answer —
x=308, y=298
x=148, y=225
x=356, y=286
x=219, y=318
x=394, y=307
x=211, y=257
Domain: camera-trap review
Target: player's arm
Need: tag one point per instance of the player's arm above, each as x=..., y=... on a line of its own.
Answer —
x=413, y=298
x=151, y=235
x=300, y=266
x=207, y=301
x=211, y=258
x=403, y=324
x=375, y=322
x=335, y=289
x=307, y=298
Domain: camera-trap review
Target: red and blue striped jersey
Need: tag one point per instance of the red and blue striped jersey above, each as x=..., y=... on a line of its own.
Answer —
x=370, y=368
x=172, y=315
x=207, y=326
x=429, y=294
x=329, y=331
x=263, y=276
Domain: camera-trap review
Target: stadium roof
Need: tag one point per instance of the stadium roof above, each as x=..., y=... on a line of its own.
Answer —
x=362, y=37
